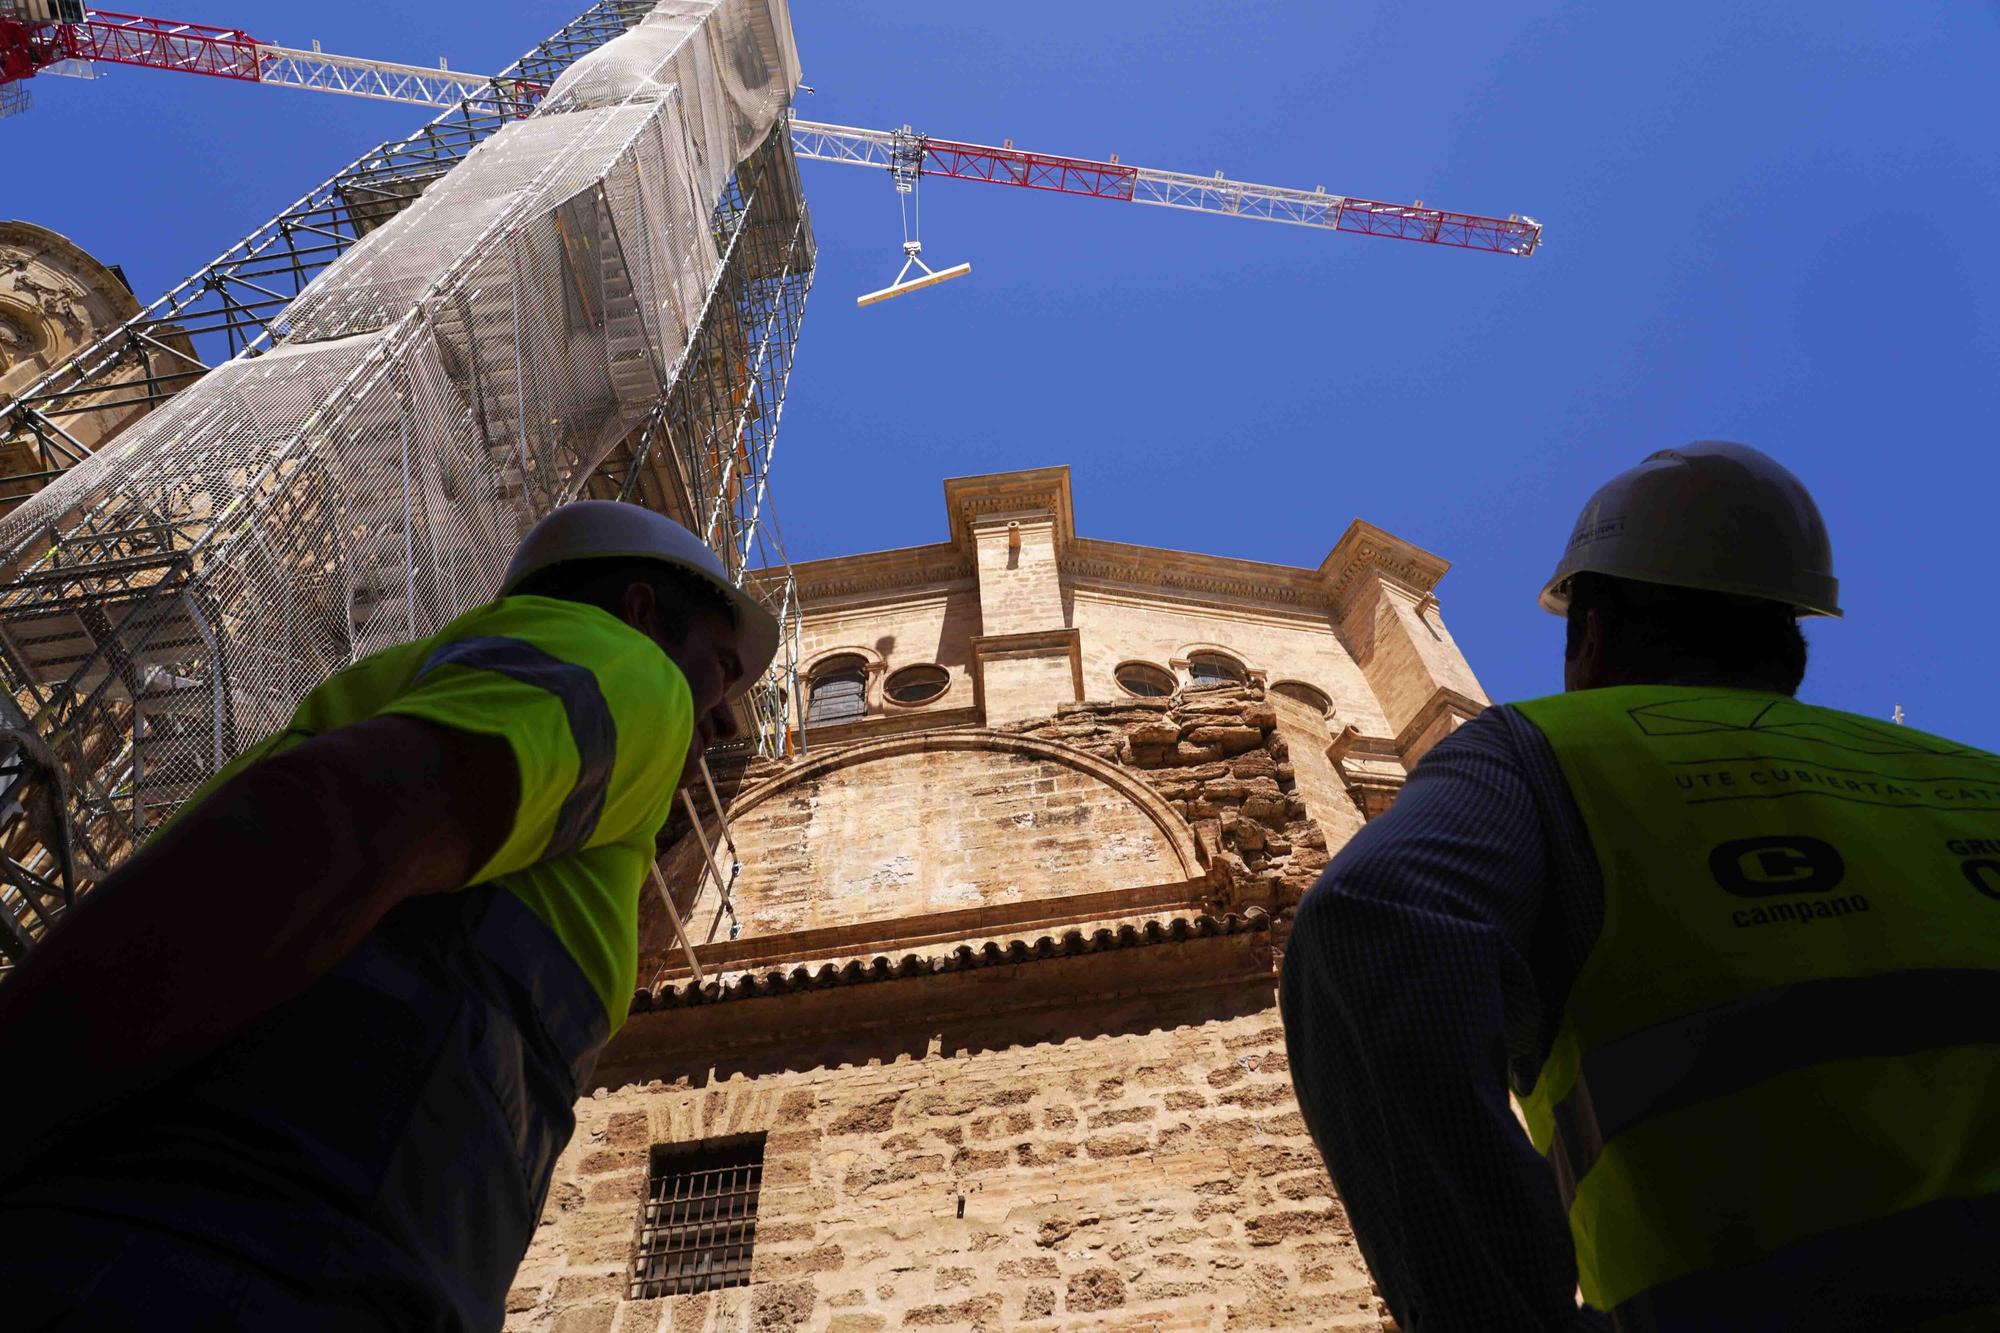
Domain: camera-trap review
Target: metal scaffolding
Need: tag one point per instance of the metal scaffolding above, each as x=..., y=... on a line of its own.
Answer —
x=228, y=306
x=427, y=352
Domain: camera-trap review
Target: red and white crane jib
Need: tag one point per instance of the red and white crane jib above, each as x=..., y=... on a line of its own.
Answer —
x=36, y=35
x=1007, y=165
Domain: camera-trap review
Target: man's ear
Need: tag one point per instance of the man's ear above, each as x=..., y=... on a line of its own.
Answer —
x=1584, y=670
x=640, y=608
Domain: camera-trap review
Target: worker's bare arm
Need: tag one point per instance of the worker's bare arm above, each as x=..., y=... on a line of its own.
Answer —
x=242, y=904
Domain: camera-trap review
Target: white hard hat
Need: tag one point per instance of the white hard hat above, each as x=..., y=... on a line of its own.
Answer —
x=608, y=529
x=1711, y=515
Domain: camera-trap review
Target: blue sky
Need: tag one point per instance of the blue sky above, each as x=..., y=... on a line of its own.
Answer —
x=1765, y=222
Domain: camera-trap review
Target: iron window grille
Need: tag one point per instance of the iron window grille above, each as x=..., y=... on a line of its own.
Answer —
x=699, y=1223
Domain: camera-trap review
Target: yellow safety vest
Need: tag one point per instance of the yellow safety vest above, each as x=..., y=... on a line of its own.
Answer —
x=1787, y=1026
x=599, y=720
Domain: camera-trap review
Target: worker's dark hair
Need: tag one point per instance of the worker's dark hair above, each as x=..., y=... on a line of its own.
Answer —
x=1684, y=631
x=602, y=583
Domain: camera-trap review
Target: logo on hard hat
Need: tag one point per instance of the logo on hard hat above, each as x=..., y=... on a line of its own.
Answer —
x=1771, y=867
x=1589, y=529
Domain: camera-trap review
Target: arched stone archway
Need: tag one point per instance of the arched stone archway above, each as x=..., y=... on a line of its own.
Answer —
x=941, y=821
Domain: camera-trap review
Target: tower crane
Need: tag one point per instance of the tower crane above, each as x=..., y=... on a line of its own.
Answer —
x=60, y=36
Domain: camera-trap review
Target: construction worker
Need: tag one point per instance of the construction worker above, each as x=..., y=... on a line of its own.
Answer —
x=1737, y=956
x=285, y=1069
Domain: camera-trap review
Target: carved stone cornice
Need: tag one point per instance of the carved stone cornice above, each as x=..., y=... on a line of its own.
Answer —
x=1193, y=574
x=1362, y=551
x=1442, y=712
x=1366, y=549
x=882, y=571
x=1042, y=490
x=1373, y=790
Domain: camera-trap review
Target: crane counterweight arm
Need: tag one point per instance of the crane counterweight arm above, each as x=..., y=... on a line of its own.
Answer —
x=231, y=53
x=1008, y=165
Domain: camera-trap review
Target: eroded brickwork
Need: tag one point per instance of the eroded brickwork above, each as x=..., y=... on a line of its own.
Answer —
x=1135, y=1166
x=1218, y=757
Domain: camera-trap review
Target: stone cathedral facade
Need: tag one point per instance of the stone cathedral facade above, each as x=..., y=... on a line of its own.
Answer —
x=55, y=301
x=987, y=1032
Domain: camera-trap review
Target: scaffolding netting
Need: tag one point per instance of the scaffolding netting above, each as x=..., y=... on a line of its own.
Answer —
x=600, y=298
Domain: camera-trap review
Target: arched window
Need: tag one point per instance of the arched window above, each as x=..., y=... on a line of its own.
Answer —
x=1308, y=695
x=1207, y=670
x=1145, y=680
x=917, y=684
x=839, y=690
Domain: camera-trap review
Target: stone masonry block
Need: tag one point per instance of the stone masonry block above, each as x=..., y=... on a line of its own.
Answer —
x=640, y=1316
x=570, y=1290
x=1230, y=740
x=1116, y=1145
x=780, y=1305
x=979, y=1311
x=1039, y=1265
x=1097, y=1288
x=586, y=1319
x=627, y=1129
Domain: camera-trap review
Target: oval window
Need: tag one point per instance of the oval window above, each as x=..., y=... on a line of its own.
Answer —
x=917, y=684
x=1311, y=697
x=1207, y=670
x=839, y=691
x=1145, y=680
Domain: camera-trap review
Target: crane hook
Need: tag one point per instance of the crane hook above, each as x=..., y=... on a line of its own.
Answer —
x=906, y=168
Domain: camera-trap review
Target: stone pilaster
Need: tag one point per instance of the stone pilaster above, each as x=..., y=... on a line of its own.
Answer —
x=1014, y=526
x=1380, y=589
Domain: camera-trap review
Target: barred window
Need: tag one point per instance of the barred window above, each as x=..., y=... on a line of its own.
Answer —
x=700, y=1217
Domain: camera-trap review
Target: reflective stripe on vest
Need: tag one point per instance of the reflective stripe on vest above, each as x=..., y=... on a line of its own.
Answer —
x=590, y=722
x=1790, y=1023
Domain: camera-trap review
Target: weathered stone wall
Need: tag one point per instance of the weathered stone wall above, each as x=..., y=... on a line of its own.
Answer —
x=1406, y=653
x=1020, y=587
x=1003, y=998
x=1307, y=734
x=1218, y=757
x=1120, y=626
x=932, y=830
x=1138, y=1166
x=931, y=625
x=1027, y=685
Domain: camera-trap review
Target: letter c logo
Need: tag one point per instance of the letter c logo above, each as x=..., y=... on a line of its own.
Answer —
x=1769, y=867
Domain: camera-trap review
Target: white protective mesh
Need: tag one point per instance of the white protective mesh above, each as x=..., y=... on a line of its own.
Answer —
x=459, y=372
